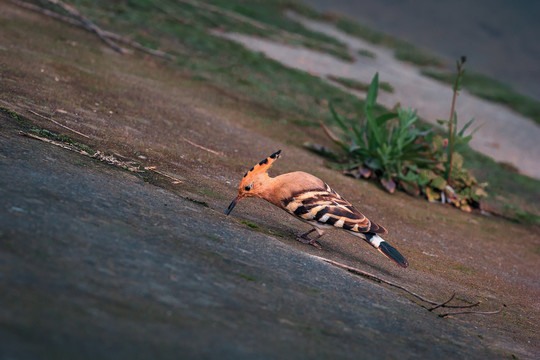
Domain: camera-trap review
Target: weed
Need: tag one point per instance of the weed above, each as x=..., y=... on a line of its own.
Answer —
x=202, y=203
x=385, y=146
x=61, y=138
x=275, y=233
x=385, y=86
x=409, y=53
x=250, y=224
x=519, y=215
x=18, y=118
x=464, y=269
x=393, y=149
x=367, y=53
x=350, y=83
x=460, y=187
x=11, y=113
x=247, y=277
x=359, y=85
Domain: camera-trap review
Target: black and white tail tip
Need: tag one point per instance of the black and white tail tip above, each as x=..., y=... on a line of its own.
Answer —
x=387, y=250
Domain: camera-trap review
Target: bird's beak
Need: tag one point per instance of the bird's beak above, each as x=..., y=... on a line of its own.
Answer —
x=233, y=204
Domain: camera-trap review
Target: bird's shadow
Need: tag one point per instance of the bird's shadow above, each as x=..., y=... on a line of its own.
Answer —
x=328, y=249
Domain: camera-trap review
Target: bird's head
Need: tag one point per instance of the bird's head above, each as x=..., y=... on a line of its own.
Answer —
x=251, y=184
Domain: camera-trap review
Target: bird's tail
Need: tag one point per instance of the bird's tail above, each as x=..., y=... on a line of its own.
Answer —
x=386, y=249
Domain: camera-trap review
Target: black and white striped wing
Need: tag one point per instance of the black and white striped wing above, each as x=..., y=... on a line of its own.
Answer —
x=327, y=207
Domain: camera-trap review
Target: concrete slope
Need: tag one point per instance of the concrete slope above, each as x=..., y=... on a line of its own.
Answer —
x=96, y=263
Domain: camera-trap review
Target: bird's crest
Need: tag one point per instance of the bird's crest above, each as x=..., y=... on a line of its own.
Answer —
x=251, y=182
x=263, y=166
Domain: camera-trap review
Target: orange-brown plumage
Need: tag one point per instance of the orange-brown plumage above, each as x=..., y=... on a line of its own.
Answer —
x=311, y=200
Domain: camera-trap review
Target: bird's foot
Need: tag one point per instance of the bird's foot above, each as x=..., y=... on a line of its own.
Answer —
x=305, y=240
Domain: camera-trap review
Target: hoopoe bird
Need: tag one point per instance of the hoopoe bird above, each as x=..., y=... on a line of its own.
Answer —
x=311, y=200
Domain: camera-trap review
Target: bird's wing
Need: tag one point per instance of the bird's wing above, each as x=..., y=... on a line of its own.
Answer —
x=326, y=206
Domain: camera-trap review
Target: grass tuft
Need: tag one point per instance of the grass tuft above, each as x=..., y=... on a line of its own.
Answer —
x=359, y=85
x=250, y=224
x=247, y=277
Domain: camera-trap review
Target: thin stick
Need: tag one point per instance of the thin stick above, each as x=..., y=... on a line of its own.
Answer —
x=463, y=306
x=473, y=312
x=59, y=144
x=109, y=159
x=202, y=147
x=437, y=305
x=47, y=12
x=375, y=278
x=174, y=180
x=57, y=123
x=443, y=303
x=330, y=134
x=88, y=25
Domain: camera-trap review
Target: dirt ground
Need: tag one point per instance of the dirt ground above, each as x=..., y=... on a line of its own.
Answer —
x=93, y=262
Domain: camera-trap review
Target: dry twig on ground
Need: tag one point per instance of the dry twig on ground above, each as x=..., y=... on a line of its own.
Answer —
x=437, y=305
x=57, y=143
x=132, y=166
x=57, y=123
x=203, y=148
x=154, y=169
x=87, y=24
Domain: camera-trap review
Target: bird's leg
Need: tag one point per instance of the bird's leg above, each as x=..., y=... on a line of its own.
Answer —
x=314, y=241
x=305, y=234
x=306, y=240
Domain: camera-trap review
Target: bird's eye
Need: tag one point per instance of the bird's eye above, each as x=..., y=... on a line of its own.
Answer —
x=247, y=188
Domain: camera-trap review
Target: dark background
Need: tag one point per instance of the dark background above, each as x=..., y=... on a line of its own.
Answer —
x=499, y=37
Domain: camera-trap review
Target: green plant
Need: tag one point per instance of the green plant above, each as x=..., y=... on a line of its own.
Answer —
x=392, y=148
x=461, y=187
x=386, y=145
